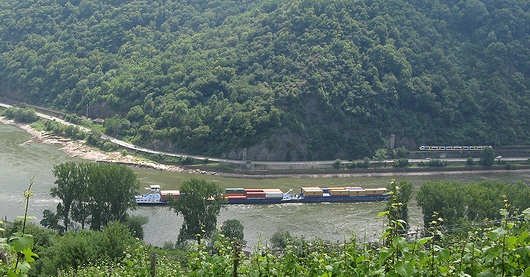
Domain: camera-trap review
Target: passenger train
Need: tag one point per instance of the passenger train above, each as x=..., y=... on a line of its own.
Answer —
x=453, y=148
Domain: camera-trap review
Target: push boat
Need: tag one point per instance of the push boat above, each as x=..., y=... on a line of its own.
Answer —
x=156, y=196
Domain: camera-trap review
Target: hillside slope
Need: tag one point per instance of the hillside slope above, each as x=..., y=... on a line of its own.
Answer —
x=277, y=80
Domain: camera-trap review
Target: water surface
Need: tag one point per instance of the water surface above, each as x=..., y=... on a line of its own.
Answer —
x=20, y=161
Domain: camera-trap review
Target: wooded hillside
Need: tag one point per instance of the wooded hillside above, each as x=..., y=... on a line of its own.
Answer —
x=286, y=80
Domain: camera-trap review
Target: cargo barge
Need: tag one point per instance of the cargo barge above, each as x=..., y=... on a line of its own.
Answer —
x=306, y=195
x=156, y=196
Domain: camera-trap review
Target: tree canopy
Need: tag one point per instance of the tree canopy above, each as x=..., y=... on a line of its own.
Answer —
x=200, y=203
x=234, y=230
x=277, y=80
x=91, y=194
x=458, y=203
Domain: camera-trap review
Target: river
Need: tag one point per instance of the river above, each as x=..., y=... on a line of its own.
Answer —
x=20, y=161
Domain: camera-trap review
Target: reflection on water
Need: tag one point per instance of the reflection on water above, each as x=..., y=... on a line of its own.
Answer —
x=19, y=162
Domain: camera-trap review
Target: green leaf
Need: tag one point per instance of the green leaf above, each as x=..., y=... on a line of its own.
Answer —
x=384, y=253
x=425, y=240
x=511, y=240
x=21, y=242
x=383, y=213
x=404, y=269
x=497, y=233
x=29, y=255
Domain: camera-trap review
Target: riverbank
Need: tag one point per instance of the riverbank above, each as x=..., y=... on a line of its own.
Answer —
x=79, y=149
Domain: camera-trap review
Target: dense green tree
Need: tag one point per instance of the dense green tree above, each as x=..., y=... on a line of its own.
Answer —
x=22, y=115
x=442, y=200
x=400, y=153
x=135, y=224
x=458, y=203
x=71, y=182
x=92, y=194
x=281, y=238
x=200, y=203
x=381, y=155
x=234, y=230
x=487, y=156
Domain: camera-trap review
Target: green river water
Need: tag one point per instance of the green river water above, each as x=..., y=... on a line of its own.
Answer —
x=21, y=160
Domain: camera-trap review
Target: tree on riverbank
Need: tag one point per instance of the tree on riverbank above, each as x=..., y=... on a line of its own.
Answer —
x=23, y=114
x=200, y=204
x=458, y=203
x=91, y=194
x=487, y=156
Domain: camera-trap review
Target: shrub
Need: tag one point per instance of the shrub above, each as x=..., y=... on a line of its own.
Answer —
x=400, y=153
x=487, y=156
x=401, y=163
x=281, y=239
x=337, y=164
x=22, y=115
x=437, y=163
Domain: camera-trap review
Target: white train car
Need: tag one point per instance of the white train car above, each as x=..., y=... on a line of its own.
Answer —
x=453, y=148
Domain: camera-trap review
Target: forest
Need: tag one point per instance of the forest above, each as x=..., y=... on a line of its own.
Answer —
x=276, y=80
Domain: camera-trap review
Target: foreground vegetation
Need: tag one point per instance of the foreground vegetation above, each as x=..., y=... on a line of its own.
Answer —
x=286, y=80
x=492, y=250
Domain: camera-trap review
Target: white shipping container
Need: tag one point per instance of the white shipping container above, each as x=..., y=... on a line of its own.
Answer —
x=273, y=194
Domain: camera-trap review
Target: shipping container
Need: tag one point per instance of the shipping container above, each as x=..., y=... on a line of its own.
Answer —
x=255, y=194
x=357, y=192
x=354, y=188
x=311, y=188
x=339, y=192
x=236, y=197
x=273, y=193
x=376, y=191
x=234, y=190
x=313, y=194
x=166, y=194
x=253, y=190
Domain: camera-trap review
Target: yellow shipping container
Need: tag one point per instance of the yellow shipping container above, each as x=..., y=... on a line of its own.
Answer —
x=354, y=188
x=357, y=193
x=313, y=192
x=311, y=188
x=377, y=191
x=339, y=192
